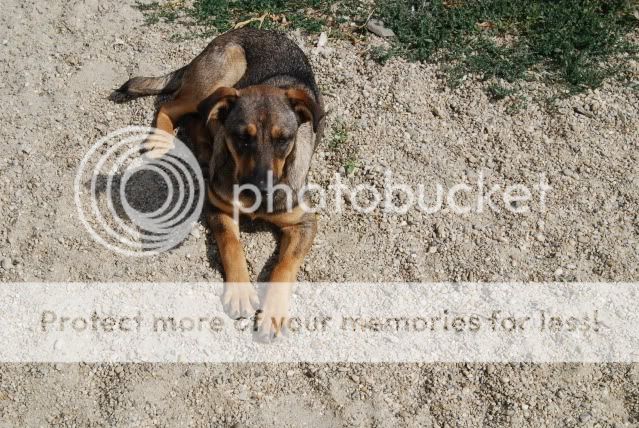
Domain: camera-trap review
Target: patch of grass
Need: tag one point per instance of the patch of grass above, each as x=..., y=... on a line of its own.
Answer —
x=381, y=54
x=350, y=166
x=570, y=40
x=498, y=92
x=516, y=105
x=339, y=135
x=167, y=12
x=312, y=16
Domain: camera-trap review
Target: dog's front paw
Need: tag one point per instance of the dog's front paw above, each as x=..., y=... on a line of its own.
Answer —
x=157, y=145
x=240, y=300
x=272, y=319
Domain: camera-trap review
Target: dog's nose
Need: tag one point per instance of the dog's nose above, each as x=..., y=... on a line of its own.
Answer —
x=262, y=185
x=260, y=179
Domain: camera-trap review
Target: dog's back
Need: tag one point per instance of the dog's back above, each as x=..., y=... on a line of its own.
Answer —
x=267, y=57
x=271, y=59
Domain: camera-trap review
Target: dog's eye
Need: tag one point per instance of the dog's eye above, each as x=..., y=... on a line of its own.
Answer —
x=281, y=142
x=244, y=141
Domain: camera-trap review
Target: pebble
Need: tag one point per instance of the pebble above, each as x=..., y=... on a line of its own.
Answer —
x=322, y=41
x=6, y=263
x=584, y=417
x=376, y=26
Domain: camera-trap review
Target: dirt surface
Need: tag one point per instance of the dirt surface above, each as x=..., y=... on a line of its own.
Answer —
x=60, y=60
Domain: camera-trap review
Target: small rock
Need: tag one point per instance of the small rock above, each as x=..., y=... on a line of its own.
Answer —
x=323, y=40
x=6, y=263
x=584, y=417
x=376, y=26
x=583, y=112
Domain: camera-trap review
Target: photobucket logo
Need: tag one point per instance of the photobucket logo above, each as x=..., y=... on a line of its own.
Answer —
x=396, y=198
x=132, y=203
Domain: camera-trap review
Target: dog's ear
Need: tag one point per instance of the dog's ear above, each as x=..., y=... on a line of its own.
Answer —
x=216, y=106
x=305, y=107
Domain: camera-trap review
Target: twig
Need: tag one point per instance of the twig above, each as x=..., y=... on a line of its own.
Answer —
x=367, y=19
x=248, y=21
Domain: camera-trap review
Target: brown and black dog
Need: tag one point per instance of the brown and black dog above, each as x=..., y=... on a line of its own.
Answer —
x=260, y=114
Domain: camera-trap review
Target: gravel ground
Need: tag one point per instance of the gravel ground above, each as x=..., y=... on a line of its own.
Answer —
x=59, y=62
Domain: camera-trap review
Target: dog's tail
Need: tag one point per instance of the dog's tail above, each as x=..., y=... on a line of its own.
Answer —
x=142, y=86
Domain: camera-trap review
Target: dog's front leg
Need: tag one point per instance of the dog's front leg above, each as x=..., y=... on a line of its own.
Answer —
x=161, y=142
x=239, y=298
x=298, y=231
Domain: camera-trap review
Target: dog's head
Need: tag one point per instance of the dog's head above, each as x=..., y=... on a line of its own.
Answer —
x=259, y=126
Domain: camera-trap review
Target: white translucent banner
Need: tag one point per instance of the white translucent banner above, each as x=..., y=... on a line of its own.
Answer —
x=329, y=322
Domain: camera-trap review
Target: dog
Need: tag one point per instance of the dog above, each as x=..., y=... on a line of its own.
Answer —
x=255, y=114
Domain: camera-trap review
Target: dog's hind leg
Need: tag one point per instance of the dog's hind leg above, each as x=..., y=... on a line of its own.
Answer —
x=222, y=67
